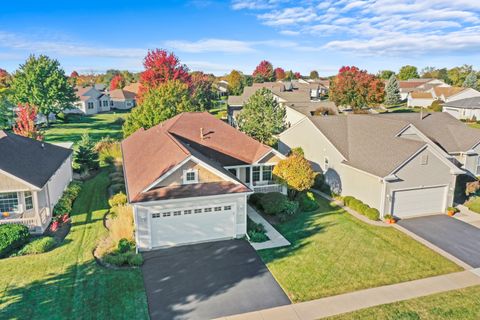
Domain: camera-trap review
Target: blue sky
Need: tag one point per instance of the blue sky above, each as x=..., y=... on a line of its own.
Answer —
x=217, y=36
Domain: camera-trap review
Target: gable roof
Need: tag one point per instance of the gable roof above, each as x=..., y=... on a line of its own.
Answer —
x=421, y=95
x=85, y=93
x=132, y=87
x=30, y=160
x=447, y=91
x=122, y=94
x=150, y=154
x=468, y=103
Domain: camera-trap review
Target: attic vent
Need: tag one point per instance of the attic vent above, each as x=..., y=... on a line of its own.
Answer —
x=424, y=159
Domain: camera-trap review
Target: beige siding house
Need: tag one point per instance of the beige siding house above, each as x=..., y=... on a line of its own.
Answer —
x=390, y=162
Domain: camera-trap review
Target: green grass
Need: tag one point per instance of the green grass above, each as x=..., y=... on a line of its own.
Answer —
x=66, y=283
x=220, y=111
x=461, y=304
x=474, y=125
x=473, y=204
x=97, y=126
x=333, y=253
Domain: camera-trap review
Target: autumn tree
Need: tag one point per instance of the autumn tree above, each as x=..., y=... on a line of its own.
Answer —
x=279, y=73
x=74, y=74
x=471, y=81
x=263, y=72
x=297, y=75
x=236, y=82
x=262, y=117
x=289, y=75
x=314, y=74
x=118, y=82
x=25, y=122
x=42, y=83
x=203, y=94
x=392, y=91
x=161, y=66
x=4, y=79
x=159, y=104
x=356, y=88
x=296, y=173
x=408, y=72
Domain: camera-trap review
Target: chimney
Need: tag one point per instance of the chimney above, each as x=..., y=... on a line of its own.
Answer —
x=201, y=134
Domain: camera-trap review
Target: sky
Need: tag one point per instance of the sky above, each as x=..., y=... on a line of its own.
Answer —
x=217, y=36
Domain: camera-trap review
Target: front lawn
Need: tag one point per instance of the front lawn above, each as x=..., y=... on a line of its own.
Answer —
x=97, y=126
x=333, y=252
x=66, y=283
x=474, y=125
x=461, y=304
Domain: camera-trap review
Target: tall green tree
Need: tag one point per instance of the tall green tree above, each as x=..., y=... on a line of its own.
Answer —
x=7, y=114
x=314, y=74
x=392, y=92
x=159, y=104
x=262, y=117
x=86, y=157
x=385, y=74
x=471, y=81
x=458, y=75
x=42, y=83
x=408, y=72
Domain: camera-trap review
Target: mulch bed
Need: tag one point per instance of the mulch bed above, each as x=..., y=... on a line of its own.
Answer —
x=61, y=233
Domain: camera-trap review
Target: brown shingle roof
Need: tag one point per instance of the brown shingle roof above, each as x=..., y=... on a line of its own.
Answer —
x=132, y=87
x=421, y=95
x=122, y=94
x=149, y=154
x=447, y=91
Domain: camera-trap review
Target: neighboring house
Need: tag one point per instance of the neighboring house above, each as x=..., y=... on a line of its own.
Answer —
x=420, y=99
x=90, y=101
x=418, y=85
x=188, y=179
x=133, y=87
x=33, y=176
x=222, y=88
x=448, y=94
x=400, y=164
x=122, y=99
x=466, y=109
x=295, y=112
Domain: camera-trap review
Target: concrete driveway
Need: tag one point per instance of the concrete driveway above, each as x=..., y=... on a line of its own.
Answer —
x=458, y=238
x=208, y=280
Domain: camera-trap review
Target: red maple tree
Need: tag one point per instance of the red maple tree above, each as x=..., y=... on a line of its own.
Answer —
x=25, y=122
x=279, y=73
x=161, y=66
x=263, y=72
x=118, y=82
x=297, y=75
x=74, y=74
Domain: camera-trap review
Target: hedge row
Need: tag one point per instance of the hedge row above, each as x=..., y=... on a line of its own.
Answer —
x=362, y=208
x=64, y=205
x=274, y=203
x=12, y=237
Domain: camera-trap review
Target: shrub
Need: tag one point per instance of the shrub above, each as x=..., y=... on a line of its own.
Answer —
x=290, y=208
x=12, y=237
x=372, y=214
x=347, y=200
x=273, y=202
x=40, y=245
x=65, y=203
x=119, y=121
x=125, y=245
x=118, y=199
x=124, y=259
x=256, y=231
x=255, y=199
x=319, y=181
x=307, y=201
x=117, y=188
x=362, y=208
x=436, y=106
x=121, y=226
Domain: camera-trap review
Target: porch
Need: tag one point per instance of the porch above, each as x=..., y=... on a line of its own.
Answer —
x=258, y=177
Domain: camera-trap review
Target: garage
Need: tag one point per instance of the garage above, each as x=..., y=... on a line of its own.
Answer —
x=419, y=201
x=192, y=224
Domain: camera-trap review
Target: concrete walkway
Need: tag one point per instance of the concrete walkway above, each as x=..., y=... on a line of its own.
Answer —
x=276, y=239
x=357, y=300
x=352, y=212
x=468, y=216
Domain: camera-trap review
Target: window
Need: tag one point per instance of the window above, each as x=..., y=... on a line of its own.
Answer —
x=256, y=174
x=197, y=211
x=90, y=105
x=247, y=175
x=207, y=210
x=111, y=103
x=233, y=171
x=8, y=202
x=218, y=209
x=187, y=211
x=28, y=200
x=267, y=173
x=190, y=176
x=177, y=213
x=166, y=214
x=155, y=215
x=227, y=208
x=105, y=103
x=325, y=165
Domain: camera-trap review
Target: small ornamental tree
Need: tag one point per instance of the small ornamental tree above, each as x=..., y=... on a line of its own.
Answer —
x=296, y=173
x=161, y=66
x=25, y=122
x=263, y=72
x=314, y=74
x=262, y=117
x=279, y=73
x=118, y=82
x=236, y=82
x=86, y=158
x=392, y=91
x=471, y=81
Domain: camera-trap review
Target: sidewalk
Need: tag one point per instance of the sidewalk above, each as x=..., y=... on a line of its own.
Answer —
x=468, y=216
x=276, y=239
x=357, y=300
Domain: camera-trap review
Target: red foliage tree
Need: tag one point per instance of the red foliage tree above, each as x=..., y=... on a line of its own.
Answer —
x=279, y=73
x=74, y=74
x=161, y=66
x=25, y=122
x=118, y=82
x=297, y=75
x=356, y=88
x=263, y=72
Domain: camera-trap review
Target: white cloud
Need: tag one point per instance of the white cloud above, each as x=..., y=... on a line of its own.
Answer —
x=225, y=45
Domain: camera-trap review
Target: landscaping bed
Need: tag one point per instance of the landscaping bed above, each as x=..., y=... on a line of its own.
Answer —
x=332, y=253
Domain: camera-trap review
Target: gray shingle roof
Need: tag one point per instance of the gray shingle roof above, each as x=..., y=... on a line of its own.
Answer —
x=32, y=161
x=469, y=103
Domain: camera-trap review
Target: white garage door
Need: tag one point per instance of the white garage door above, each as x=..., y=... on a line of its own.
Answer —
x=416, y=202
x=190, y=225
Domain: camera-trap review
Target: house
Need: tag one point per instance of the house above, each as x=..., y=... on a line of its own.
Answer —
x=295, y=112
x=222, y=88
x=122, y=99
x=33, y=176
x=419, y=85
x=90, y=101
x=188, y=179
x=133, y=87
x=420, y=99
x=465, y=109
x=448, y=94
x=403, y=164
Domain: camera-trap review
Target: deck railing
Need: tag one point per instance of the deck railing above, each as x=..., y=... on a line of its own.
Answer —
x=31, y=221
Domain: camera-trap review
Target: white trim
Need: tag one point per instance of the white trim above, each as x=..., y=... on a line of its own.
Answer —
x=178, y=200
x=20, y=180
x=275, y=152
x=425, y=138
x=445, y=196
x=185, y=175
x=168, y=173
